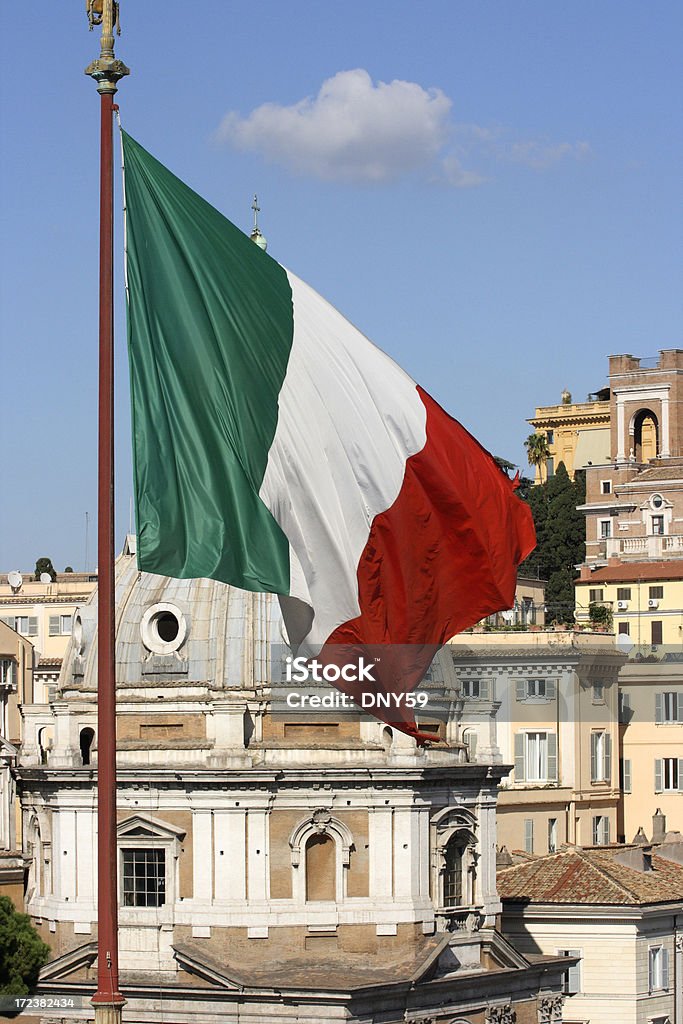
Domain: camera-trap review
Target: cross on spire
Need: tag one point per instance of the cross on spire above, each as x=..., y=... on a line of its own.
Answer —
x=256, y=235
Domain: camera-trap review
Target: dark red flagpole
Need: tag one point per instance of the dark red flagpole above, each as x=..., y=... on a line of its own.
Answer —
x=107, y=1000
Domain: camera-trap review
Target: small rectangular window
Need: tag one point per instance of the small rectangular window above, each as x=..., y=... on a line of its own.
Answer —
x=598, y=693
x=623, y=593
x=624, y=629
x=656, y=593
x=656, y=633
x=550, y=467
x=529, y=835
x=6, y=671
x=535, y=688
x=595, y=595
x=470, y=688
x=552, y=835
x=658, y=526
x=605, y=529
x=550, y=436
x=625, y=774
x=144, y=878
x=672, y=706
x=606, y=486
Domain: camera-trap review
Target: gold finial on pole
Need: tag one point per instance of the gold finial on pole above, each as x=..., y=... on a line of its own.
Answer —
x=107, y=70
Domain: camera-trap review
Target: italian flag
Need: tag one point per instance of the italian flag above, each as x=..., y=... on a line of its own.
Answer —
x=277, y=449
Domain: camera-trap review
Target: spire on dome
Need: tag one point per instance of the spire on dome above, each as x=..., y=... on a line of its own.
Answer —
x=256, y=235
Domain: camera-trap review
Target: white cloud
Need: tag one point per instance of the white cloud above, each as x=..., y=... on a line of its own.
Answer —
x=356, y=130
x=453, y=173
x=352, y=130
x=541, y=155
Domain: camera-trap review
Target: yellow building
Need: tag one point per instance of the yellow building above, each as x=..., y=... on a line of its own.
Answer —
x=651, y=741
x=645, y=598
x=578, y=433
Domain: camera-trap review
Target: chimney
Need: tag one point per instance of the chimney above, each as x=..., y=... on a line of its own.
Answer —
x=658, y=826
x=640, y=839
x=503, y=858
x=638, y=859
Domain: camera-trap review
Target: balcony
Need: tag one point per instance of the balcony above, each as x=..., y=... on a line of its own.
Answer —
x=639, y=548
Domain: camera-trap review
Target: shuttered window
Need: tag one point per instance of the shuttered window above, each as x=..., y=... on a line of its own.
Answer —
x=668, y=773
x=529, y=835
x=535, y=757
x=600, y=830
x=601, y=757
x=658, y=964
x=571, y=979
x=625, y=773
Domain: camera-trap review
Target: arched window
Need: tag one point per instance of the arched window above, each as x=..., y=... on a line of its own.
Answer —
x=454, y=858
x=321, y=868
x=87, y=735
x=452, y=873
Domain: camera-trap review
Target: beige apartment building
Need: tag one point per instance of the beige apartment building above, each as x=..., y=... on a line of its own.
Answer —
x=43, y=612
x=546, y=703
x=16, y=672
x=616, y=911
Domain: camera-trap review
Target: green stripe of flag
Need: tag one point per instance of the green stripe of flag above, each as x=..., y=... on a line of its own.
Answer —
x=210, y=328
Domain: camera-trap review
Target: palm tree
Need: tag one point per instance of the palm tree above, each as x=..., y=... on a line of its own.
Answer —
x=538, y=452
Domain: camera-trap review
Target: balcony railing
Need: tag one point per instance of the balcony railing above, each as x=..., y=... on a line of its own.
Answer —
x=655, y=546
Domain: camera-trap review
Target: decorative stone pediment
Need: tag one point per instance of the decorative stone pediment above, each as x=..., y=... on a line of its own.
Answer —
x=142, y=826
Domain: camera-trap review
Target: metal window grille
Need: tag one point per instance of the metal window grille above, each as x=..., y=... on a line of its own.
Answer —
x=144, y=878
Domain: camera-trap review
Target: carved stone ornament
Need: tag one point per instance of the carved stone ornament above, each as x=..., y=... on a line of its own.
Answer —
x=321, y=818
x=550, y=1009
x=679, y=943
x=502, y=1014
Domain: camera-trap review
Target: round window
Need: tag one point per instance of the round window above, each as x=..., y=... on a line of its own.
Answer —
x=163, y=629
x=656, y=501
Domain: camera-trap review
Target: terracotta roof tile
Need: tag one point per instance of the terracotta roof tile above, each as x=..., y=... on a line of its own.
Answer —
x=634, y=571
x=591, y=875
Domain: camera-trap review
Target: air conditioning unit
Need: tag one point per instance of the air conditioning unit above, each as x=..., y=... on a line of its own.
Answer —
x=652, y=603
x=622, y=605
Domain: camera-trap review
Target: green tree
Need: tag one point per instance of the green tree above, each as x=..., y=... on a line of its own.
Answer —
x=45, y=565
x=537, y=451
x=560, y=536
x=22, y=951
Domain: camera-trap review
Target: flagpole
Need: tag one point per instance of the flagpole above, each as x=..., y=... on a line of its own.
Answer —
x=106, y=71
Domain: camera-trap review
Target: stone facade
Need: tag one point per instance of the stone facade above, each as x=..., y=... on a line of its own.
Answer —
x=261, y=852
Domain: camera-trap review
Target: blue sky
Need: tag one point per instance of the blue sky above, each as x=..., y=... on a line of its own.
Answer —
x=490, y=191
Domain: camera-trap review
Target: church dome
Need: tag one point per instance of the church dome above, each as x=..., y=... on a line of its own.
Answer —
x=197, y=630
